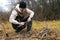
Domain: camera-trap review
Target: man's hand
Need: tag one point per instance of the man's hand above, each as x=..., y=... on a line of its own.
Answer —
x=29, y=19
x=22, y=23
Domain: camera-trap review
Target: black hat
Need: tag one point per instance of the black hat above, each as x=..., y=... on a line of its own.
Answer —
x=22, y=5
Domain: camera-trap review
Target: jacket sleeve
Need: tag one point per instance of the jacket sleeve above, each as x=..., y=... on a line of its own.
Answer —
x=30, y=12
x=12, y=17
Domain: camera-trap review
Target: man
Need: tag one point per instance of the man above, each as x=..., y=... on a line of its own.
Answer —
x=19, y=17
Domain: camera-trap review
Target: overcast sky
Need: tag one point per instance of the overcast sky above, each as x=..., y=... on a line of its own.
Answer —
x=6, y=5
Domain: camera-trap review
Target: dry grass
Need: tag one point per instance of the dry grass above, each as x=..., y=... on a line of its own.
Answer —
x=50, y=24
x=36, y=25
x=40, y=24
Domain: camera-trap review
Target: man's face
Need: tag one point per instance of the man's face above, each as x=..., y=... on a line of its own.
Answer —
x=22, y=9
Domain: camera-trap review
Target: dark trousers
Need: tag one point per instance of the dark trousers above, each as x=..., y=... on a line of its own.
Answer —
x=18, y=29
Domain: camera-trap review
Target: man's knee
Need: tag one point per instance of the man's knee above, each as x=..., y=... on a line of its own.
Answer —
x=29, y=23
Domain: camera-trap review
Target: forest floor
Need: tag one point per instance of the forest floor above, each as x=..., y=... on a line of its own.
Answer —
x=41, y=30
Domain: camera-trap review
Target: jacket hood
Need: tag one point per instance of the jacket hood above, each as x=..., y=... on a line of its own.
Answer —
x=17, y=6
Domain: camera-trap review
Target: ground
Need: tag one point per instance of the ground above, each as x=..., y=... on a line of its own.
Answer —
x=37, y=25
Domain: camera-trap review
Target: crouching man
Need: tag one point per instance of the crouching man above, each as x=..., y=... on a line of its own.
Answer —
x=20, y=16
